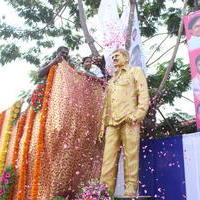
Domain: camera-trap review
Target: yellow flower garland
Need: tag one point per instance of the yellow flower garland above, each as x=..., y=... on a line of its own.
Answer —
x=6, y=136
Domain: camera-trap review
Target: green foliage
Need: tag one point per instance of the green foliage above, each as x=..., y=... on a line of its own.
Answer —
x=172, y=19
x=24, y=94
x=175, y=123
x=46, y=20
x=177, y=84
x=8, y=53
x=41, y=26
x=149, y=15
x=179, y=126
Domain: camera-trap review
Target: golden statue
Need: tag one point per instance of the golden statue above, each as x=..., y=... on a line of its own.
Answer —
x=126, y=104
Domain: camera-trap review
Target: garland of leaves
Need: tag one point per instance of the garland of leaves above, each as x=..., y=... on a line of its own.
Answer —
x=40, y=139
x=23, y=169
x=13, y=116
x=7, y=182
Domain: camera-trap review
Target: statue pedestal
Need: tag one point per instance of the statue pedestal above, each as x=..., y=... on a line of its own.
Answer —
x=137, y=198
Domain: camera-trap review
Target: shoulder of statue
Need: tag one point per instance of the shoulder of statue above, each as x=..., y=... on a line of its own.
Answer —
x=135, y=69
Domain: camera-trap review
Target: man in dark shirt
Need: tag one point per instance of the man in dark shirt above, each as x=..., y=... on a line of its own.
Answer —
x=61, y=53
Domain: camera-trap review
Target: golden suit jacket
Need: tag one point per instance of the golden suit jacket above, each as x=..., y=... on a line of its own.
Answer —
x=126, y=99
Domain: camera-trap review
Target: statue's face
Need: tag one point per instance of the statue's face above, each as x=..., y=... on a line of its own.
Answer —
x=119, y=59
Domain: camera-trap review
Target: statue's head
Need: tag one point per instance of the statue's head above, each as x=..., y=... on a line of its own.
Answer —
x=120, y=58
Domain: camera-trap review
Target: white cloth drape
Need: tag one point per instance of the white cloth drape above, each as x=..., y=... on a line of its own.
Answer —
x=191, y=152
x=114, y=28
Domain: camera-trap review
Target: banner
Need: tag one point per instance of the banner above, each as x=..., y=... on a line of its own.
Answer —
x=192, y=30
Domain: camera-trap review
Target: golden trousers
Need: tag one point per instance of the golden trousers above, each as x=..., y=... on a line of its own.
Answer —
x=128, y=136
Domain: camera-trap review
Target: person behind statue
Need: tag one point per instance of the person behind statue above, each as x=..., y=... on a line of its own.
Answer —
x=61, y=53
x=94, y=66
x=126, y=104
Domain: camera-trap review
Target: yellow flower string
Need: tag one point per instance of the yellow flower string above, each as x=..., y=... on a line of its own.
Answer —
x=23, y=168
x=40, y=139
x=6, y=136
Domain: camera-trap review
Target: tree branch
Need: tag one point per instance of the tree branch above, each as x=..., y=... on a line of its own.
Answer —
x=88, y=38
x=60, y=10
x=163, y=54
x=155, y=36
x=167, y=121
x=157, y=49
x=169, y=68
x=187, y=99
x=130, y=24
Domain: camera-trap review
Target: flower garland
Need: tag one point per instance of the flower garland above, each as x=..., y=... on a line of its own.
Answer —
x=2, y=117
x=15, y=111
x=20, y=129
x=37, y=97
x=7, y=182
x=23, y=169
x=94, y=190
x=13, y=116
x=40, y=140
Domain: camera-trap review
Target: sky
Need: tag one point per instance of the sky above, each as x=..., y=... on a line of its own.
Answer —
x=14, y=76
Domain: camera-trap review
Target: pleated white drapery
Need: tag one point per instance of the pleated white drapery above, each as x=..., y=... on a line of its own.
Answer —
x=191, y=152
x=114, y=28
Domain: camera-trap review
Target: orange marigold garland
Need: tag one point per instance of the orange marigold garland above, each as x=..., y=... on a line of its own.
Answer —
x=20, y=129
x=23, y=168
x=2, y=117
x=40, y=141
